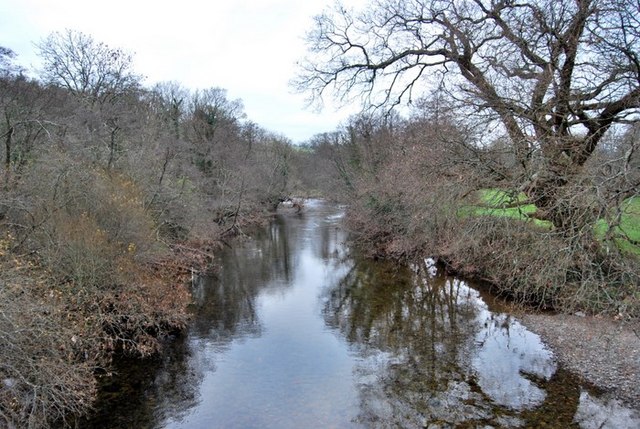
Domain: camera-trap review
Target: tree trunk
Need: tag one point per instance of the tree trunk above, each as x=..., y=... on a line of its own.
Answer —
x=549, y=192
x=7, y=159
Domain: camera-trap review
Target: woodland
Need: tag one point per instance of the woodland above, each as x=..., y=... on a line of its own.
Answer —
x=501, y=137
x=113, y=194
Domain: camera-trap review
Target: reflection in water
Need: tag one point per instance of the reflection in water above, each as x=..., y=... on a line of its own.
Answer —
x=595, y=413
x=143, y=394
x=432, y=351
x=225, y=305
x=508, y=357
x=297, y=331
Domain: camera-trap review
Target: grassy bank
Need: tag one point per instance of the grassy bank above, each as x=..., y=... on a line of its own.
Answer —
x=496, y=239
x=496, y=202
x=622, y=229
x=619, y=228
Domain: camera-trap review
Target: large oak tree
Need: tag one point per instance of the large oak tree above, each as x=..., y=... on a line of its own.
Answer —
x=556, y=74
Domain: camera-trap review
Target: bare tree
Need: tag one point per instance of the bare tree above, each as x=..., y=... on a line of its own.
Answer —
x=89, y=69
x=557, y=75
x=98, y=75
x=7, y=65
x=171, y=104
x=213, y=113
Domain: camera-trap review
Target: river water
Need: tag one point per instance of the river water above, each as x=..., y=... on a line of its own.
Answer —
x=297, y=331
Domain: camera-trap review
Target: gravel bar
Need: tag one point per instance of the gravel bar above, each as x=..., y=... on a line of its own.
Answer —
x=604, y=352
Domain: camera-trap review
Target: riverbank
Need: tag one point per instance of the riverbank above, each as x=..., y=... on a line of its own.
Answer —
x=603, y=351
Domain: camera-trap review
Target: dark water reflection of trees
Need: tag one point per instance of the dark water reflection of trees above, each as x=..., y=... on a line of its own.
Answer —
x=144, y=394
x=431, y=352
x=225, y=303
x=132, y=397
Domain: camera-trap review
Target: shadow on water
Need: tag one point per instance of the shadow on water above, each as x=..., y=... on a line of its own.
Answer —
x=296, y=330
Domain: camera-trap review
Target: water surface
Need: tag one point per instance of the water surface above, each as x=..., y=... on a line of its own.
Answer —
x=297, y=331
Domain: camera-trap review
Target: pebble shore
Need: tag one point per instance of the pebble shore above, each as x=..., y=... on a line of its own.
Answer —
x=604, y=352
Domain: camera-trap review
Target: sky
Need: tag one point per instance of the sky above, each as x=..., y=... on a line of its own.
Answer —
x=248, y=47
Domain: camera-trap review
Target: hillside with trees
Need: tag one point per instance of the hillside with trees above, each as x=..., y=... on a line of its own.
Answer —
x=112, y=193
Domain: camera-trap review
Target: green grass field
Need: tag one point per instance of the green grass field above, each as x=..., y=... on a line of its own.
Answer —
x=496, y=202
x=626, y=236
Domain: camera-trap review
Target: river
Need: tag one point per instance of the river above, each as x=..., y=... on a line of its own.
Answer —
x=296, y=331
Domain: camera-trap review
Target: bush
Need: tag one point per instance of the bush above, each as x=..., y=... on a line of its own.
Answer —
x=80, y=284
x=432, y=192
x=44, y=376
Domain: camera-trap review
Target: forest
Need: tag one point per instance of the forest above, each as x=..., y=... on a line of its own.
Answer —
x=514, y=159
x=112, y=195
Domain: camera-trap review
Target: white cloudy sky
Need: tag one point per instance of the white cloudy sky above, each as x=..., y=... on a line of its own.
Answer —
x=248, y=47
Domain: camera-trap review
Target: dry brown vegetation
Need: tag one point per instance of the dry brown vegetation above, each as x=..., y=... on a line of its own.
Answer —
x=534, y=101
x=410, y=184
x=111, y=194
